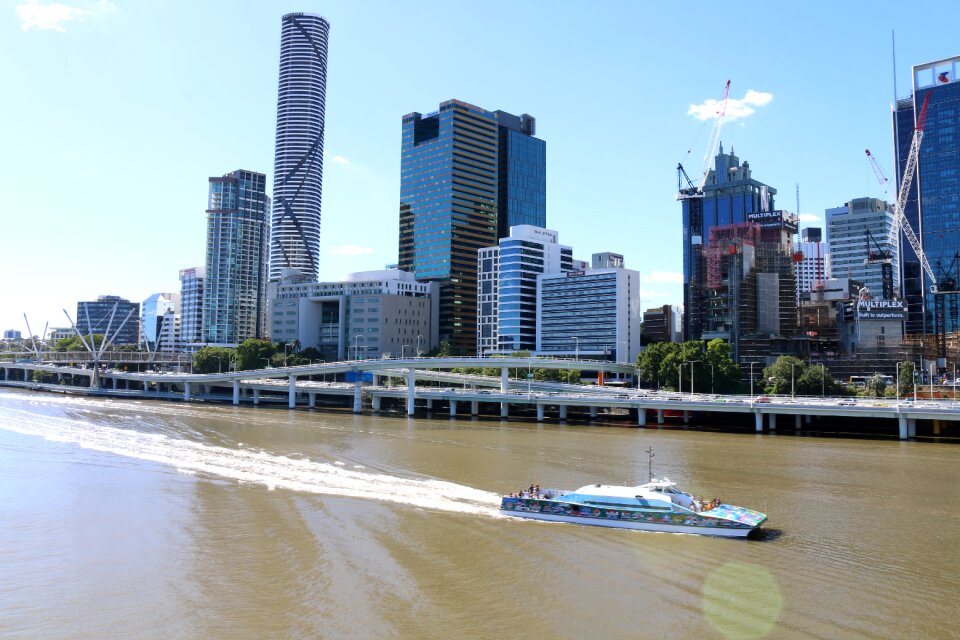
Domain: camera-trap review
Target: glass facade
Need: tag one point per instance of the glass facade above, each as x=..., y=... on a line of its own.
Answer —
x=107, y=315
x=523, y=181
x=234, y=293
x=507, y=313
x=847, y=242
x=729, y=195
x=936, y=216
x=450, y=178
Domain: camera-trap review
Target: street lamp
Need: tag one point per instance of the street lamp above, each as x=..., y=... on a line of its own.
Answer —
x=792, y=366
x=751, y=380
x=823, y=380
x=679, y=378
x=419, y=338
x=286, y=351
x=691, y=376
x=711, y=378
x=932, y=365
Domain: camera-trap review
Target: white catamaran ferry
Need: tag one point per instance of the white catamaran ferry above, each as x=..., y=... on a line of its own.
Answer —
x=657, y=505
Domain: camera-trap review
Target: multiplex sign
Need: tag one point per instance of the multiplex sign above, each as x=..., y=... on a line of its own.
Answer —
x=770, y=220
x=881, y=310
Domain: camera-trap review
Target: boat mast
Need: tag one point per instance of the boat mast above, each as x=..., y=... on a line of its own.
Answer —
x=650, y=462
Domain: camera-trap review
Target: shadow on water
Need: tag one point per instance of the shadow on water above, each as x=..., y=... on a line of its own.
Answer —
x=765, y=535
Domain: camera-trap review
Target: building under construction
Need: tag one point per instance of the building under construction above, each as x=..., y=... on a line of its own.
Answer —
x=746, y=289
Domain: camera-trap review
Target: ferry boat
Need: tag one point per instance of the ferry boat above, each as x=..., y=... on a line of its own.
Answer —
x=658, y=505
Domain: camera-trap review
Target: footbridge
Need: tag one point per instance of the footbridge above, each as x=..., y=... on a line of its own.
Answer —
x=459, y=393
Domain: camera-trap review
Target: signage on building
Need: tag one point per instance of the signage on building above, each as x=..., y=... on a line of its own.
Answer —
x=881, y=310
x=571, y=274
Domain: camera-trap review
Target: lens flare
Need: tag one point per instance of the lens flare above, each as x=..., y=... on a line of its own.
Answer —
x=742, y=601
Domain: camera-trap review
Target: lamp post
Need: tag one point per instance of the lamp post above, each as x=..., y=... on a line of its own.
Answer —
x=823, y=380
x=792, y=368
x=932, y=365
x=898, y=386
x=419, y=338
x=751, y=380
x=286, y=351
x=691, y=376
x=954, y=381
x=679, y=378
x=529, y=377
x=711, y=378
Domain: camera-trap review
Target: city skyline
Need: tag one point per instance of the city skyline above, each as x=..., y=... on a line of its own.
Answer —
x=612, y=145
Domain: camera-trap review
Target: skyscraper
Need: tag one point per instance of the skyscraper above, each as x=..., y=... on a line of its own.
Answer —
x=234, y=293
x=849, y=246
x=729, y=196
x=466, y=175
x=191, y=305
x=934, y=215
x=298, y=159
x=507, y=314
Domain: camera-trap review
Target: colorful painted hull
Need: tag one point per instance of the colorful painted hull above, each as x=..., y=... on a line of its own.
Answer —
x=725, y=520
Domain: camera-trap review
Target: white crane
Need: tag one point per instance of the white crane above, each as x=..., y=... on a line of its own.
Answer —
x=696, y=191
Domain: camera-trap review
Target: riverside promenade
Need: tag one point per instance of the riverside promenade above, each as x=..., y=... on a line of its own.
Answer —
x=464, y=394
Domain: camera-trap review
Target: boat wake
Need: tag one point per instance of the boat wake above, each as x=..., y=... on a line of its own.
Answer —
x=255, y=466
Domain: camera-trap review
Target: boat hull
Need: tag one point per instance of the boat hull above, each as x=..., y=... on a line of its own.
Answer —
x=639, y=526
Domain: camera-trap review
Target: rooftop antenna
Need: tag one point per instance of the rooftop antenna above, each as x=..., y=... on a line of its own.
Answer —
x=650, y=463
x=893, y=50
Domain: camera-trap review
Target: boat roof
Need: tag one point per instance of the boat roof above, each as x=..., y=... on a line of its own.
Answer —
x=624, y=492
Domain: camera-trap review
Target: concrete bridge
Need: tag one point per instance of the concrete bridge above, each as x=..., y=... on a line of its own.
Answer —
x=295, y=386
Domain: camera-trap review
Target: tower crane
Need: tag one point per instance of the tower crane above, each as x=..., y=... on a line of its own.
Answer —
x=943, y=284
x=696, y=191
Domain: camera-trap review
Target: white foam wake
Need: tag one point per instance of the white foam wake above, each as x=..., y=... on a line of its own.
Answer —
x=273, y=471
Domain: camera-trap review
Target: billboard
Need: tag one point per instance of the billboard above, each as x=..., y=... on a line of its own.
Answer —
x=881, y=310
x=774, y=220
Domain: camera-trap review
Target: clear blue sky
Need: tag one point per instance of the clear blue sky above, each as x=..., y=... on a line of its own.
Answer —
x=115, y=113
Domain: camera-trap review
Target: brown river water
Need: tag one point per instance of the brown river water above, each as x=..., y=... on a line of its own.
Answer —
x=139, y=519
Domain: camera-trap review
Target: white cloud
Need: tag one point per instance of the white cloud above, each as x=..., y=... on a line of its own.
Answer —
x=809, y=217
x=51, y=17
x=736, y=108
x=671, y=277
x=350, y=250
x=340, y=160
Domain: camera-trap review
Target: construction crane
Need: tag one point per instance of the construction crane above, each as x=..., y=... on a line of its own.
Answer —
x=696, y=191
x=942, y=284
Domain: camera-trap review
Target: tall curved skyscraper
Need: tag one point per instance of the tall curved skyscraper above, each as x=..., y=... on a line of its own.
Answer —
x=298, y=161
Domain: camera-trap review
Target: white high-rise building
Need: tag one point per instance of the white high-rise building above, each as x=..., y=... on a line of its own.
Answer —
x=590, y=313
x=191, y=306
x=298, y=159
x=849, y=245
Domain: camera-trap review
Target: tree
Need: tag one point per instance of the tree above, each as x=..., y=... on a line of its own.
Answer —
x=907, y=372
x=816, y=380
x=719, y=365
x=213, y=359
x=781, y=377
x=682, y=362
x=877, y=385
x=443, y=351
x=253, y=354
x=651, y=359
x=74, y=343
x=311, y=353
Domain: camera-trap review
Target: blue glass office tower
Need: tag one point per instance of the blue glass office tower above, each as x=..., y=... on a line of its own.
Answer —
x=935, y=215
x=729, y=195
x=234, y=291
x=466, y=174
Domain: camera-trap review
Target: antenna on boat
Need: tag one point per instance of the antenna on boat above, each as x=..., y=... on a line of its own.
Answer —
x=650, y=461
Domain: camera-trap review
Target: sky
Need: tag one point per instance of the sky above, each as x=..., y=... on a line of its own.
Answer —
x=115, y=113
